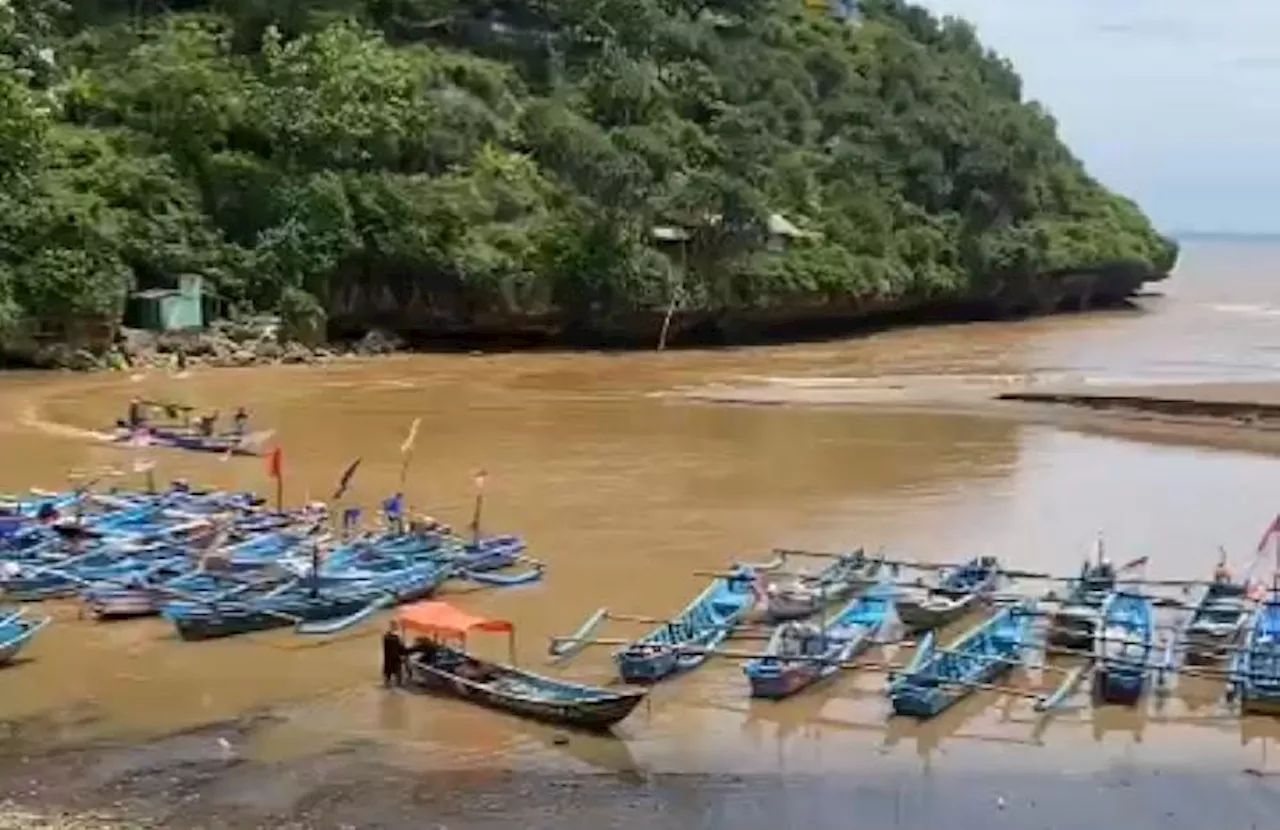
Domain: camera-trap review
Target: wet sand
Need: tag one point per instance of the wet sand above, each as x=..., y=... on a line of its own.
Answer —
x=1243, y=416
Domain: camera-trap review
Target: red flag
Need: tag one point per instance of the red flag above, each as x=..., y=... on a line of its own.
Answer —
x=275, y=464
x=1272, y=530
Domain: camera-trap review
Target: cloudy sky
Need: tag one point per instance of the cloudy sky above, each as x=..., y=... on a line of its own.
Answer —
x=1173, y=102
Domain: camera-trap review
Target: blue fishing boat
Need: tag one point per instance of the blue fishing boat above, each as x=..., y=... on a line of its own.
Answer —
x=939, y=678
x=1254, y=676
x=187, y=438
x=800, y=654
x=16, y=631
x=1123, y=648
x=959, y=591
x=683, y=642
x=322, y=600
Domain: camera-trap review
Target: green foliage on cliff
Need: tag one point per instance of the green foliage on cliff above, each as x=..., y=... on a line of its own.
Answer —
x=514, y=155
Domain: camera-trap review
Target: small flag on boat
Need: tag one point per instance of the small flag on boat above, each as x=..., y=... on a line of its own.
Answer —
x=1273, y=530
x=275, y=463
x=407, y=446
x=345, y=481
x=394, y=506
x=479, y=479
x=350, y=517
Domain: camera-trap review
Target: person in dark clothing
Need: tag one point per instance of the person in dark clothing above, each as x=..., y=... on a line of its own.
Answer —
x=392, y=656
x=136, y=416
x=240, y=421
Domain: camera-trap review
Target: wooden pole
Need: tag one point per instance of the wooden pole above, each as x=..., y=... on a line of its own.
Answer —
x=479, y=507
x=407, y=457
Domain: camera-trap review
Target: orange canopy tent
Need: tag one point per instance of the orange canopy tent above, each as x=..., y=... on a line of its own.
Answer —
x=440, y=620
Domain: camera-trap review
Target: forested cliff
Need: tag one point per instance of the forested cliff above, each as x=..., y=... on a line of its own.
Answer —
x=457, y=165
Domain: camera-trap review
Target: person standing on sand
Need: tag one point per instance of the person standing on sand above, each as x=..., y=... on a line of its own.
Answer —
x=392, y=657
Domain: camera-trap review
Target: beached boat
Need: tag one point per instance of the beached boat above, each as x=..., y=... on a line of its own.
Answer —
x=1254, y=676
x=451, y=670
x=683, y=642
x=190, y=439
x=315, y=605
x=800, y=654
x=939, y=678
x=957, y=593
x=1074, y=624
x=803, y=595
x=1216, y=624
x=16, y=631
x=1123, y=648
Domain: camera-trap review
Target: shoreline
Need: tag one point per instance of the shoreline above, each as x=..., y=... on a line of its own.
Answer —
x=1241, y=416
x=190, y=780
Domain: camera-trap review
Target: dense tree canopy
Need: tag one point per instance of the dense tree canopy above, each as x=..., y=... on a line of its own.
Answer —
x=516, y=155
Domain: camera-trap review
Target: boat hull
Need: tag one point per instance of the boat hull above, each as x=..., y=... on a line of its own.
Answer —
x=936, y=681
x=917, y=616
x=530, y=696
x=16, y=633
x=230, y=622
x=1123, y=649
x=683, y=643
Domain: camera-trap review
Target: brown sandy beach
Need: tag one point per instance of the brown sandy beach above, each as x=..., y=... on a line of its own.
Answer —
x=627, y=473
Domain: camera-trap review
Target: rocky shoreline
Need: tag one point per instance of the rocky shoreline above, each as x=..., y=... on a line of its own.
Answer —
x=224, y=345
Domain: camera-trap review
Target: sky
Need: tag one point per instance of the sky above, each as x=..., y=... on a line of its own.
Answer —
x=1175, y=103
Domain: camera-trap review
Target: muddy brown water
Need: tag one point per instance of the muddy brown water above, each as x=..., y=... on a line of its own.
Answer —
x=625, y=487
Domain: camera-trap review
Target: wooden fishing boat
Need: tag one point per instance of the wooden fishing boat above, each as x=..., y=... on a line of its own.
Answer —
x=1123, y=648
x=939, y=678
x=805, y=594
x=1074, y=623
x=800, y=654
x=1216, y=624
x=957, y=593
x=190, y=439
x=1254, y=676
x=316, y=605
x=16, y=631
x=683, y=642
x=452, y=671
